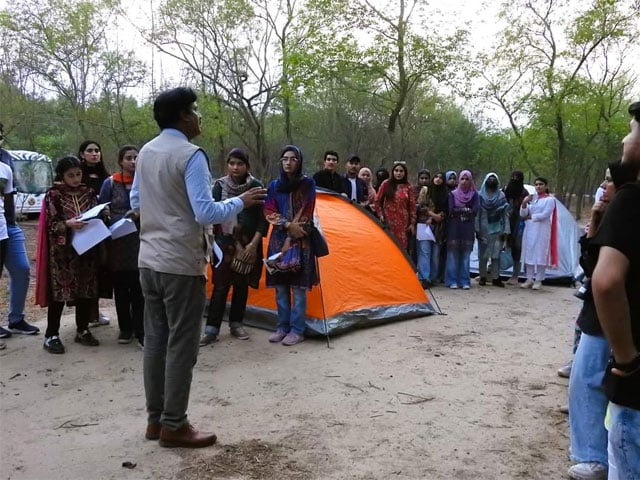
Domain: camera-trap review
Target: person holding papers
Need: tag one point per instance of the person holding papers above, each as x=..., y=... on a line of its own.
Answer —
x=71, y=277
x=123, y=251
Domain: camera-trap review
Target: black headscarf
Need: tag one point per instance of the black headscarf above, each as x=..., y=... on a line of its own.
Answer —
x=381, y=175
x=514, y=188
x=439, y=194
x=285, y=185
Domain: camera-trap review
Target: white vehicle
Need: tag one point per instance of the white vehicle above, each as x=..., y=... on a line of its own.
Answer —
x=32, y=177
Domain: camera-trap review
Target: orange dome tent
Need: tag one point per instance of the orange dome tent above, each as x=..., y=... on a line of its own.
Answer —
x=366, y=279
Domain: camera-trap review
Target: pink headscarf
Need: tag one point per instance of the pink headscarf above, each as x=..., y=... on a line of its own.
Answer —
x=461, y=196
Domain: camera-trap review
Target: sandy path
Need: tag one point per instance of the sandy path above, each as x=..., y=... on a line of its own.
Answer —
x=469, y=395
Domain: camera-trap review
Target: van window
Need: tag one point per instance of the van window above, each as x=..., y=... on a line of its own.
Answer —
x=32, y=177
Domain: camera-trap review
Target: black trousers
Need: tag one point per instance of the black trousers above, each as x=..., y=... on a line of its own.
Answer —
x=129, y=302
x=218, y=303
x=54, y=314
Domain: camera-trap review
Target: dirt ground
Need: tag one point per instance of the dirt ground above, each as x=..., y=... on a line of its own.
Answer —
x=472, y=394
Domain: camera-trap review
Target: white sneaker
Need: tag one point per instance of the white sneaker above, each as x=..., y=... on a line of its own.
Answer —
x=536, y=286
x=453, y=286
x=588, y=471
x=565, y=371
x=528, y=283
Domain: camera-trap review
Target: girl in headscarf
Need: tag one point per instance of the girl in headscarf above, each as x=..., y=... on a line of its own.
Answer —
x=539, y=240
x=492, y=226
x=515, y=194
x=396, y=204
x=439, y=195
x=366, y=175
x=381, y=175
x=290, y=203
x=463, y=208
x=239, y=239
x=451, y=178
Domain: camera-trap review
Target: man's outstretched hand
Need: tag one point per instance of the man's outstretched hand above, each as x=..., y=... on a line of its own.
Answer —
x=254, y=196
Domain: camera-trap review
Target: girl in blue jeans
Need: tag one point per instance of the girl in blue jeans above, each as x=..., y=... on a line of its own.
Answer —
x=290, y=202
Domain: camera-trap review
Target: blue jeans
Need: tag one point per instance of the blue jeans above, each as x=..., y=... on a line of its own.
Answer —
x=624, y=440
x=588, y=401
x=435, y=261
x=291, y=319
x=457, y=268
x=424, y=249
x=17, y=264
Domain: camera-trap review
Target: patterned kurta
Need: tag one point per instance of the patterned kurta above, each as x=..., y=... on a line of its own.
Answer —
x=71, y=276
x=398, y=212
x=280, y=208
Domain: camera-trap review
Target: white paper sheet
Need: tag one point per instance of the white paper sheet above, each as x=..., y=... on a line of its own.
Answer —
x=124, y=226
x=90, y=235
x=93, y=212
x=423, y=232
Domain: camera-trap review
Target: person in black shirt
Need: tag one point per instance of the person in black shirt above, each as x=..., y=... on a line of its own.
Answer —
x=328, y=177
x=616, y=291
x=354, y=187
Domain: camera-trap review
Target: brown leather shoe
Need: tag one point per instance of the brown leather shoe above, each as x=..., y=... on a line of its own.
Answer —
x=153, y=431
x=186, y=437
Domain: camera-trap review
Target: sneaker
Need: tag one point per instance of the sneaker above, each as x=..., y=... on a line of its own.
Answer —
x=277, y=336
x=102, y=320
x=292, y=339
x=565, y=371
x=125, y=337
x=497, y=283
x=588, y=471
x=240, y=333
x=512, y=281
x=564, y=409
x=536, y=286
x=466, y=287
x=482, y=281
x=453, y=286
x=24, y=328
x=85, y=338
x=528, y=283
x=208, y=339
x=4, y=333
x=141, y=343
x=53, y=344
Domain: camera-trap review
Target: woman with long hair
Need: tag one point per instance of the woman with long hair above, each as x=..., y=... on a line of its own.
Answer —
x=94, y=173
x=122, y=253
x=396, y=204
x=463, y=208
x=291, y=200
x=71, y=277
x=241, y=242
x=439, y=195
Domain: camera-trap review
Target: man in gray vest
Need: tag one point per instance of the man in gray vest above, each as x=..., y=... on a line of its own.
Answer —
x=172, y=194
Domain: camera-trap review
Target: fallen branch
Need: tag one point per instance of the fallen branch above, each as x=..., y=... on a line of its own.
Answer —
x=67, y=424
x=351, y=385
x=419, y=399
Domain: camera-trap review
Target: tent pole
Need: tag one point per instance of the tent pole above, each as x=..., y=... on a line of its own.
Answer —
x=432, y=296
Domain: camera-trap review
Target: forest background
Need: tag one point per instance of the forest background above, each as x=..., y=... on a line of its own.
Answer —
x=393, y=80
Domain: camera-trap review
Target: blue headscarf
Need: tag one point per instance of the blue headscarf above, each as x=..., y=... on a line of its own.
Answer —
x=286, y=185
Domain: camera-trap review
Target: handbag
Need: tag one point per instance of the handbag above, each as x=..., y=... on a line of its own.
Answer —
x=506, y=260
x=239, y=264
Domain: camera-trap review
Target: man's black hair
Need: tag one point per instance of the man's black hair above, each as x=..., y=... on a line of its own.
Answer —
x=331, y=152
x=634, y=110
x=170, y=104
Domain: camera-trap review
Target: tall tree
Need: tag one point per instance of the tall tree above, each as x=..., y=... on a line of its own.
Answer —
x=549, y=54
x=63, y=47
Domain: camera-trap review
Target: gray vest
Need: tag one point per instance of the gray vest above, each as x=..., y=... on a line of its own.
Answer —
x=171, y=241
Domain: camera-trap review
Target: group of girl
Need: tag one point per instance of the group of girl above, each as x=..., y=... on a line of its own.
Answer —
x=439, y=220
x=63, y=276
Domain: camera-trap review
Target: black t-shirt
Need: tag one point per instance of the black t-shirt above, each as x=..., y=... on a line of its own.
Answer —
x=620, y=229
x=329, y=180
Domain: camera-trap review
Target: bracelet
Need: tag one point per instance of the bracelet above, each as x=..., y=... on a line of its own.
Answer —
x=628, y=367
